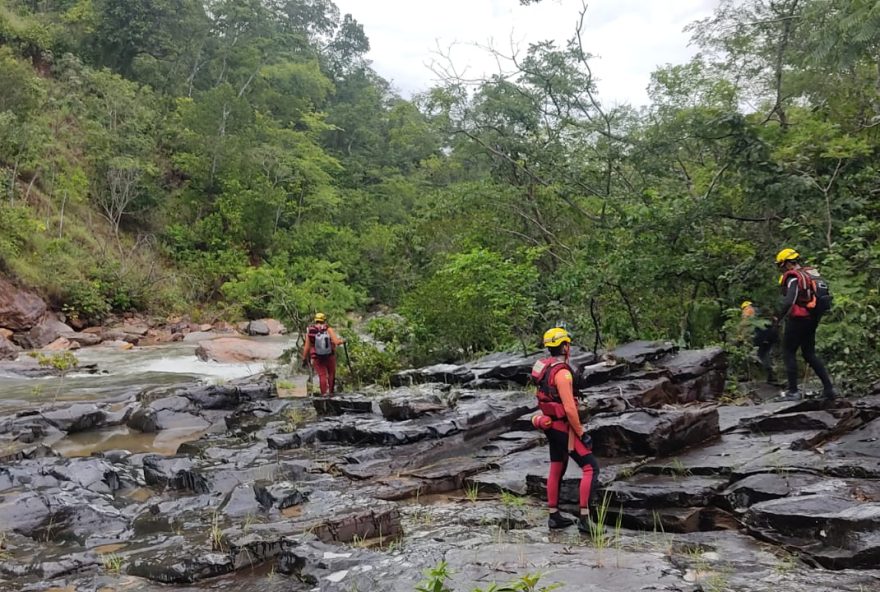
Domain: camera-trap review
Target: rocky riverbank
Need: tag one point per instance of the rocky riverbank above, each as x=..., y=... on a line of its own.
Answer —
x=366, y=491
x=27, y=324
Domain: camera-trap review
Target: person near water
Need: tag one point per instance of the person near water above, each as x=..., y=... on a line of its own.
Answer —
x=801, y=314
x=319, y=350
x=766, y=335
x=561, y=424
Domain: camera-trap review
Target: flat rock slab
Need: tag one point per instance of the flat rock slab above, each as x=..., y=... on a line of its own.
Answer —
x=335, y=406
x=443, y=373
x=652, y=432
x=652, y=491
x=625, y=394
x=689, y=364
x=638, y=353
x=762, y=487
x=836, y=532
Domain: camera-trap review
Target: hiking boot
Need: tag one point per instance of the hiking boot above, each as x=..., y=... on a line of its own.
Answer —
x=588, y=527
x=556, y=521
x=790, y=396
x=830, y=394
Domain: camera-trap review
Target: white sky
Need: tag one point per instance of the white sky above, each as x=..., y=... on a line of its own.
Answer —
x=629, y=37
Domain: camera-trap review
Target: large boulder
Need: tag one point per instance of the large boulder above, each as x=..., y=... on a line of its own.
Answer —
x=19, y=310
x=41, y=335
x=238, y=350
x=8, y=350
x=650, y=432
x=836, y=532
x=257, y=328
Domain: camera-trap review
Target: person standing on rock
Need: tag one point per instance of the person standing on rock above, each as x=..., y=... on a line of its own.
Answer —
x=765, y=337
x=802, y=308
x=560, y=421
x=320, y=351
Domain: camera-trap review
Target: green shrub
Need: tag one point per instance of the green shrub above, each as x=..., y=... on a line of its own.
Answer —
x=369, y=364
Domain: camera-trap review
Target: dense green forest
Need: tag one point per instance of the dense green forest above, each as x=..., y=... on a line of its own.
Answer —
x=240, y=158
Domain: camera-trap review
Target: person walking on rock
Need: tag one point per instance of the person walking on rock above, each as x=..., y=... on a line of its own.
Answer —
x=561, y=424
x=802, y=308
x=766, y=335
x=320, y=350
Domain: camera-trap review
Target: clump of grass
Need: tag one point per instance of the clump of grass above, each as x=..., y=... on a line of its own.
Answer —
x=112, y=563
x=472, y=492
x=216, y=533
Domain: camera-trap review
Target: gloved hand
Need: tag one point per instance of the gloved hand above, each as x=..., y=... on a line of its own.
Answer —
x=587, y=441
x=305, y=364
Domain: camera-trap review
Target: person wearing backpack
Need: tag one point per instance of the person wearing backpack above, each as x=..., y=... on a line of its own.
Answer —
x=805, y=298
x=766, y=335
x=320, y=351
x=560, y=421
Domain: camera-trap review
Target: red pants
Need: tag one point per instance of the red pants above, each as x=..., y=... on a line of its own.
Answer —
x=325, y=368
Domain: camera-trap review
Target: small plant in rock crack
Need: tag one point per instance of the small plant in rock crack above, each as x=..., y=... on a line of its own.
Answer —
x=216, y=533
x=436, y=579
x=112, y=563
x=472, y=492
x=677, y=469
x=512, y=503
x=526, y=583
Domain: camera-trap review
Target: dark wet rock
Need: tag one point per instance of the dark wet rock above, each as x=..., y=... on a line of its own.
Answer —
x=49, y=568
x=48, y=330
x=174, y=472
x=490, y=384
x=731, y=417
x=445, y=373
x=22, y=511
x=315, y=562
x=701, y=374
x=679, y=491
x=399, y=409
x=343, y=404
x=241, y=502
x=658, y=519
x=169, y=565
x=835, y=532
x=638, y=353
x=652, y=432
x=506, y=366
x=688, y=364
x=471, y=414
x=278, y=495
x=600, y=373
x=784, y=422
x=511, y=472
x=19, y=310
x=94, y=474
x=8, y=349
x=165, y=414
x=86, y=520
x=630, y=394
x=337, y=517
x=762, y=487
x=252, y=417
x=76, y=418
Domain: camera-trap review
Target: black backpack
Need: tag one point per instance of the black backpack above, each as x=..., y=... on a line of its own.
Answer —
x=821, y=291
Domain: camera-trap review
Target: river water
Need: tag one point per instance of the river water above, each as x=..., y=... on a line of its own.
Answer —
x=121, y=374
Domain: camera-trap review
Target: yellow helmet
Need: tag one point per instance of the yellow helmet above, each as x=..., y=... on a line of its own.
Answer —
x=786, y=255
x=556, y=336
x=745, y=304
x=320, y=317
